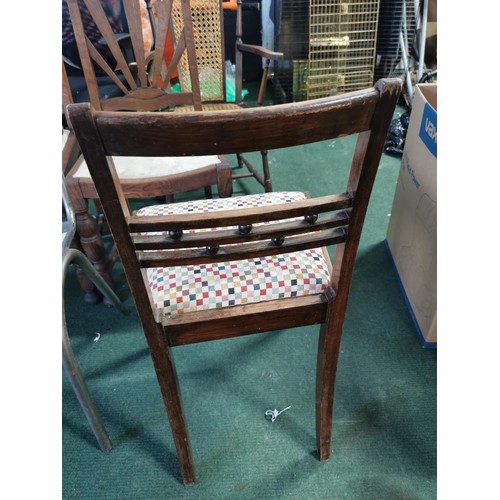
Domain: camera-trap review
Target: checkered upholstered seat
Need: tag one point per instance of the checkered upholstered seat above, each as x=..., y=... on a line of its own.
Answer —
x=181, y=289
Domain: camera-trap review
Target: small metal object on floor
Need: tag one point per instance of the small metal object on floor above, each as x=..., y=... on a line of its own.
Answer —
x=274, y=414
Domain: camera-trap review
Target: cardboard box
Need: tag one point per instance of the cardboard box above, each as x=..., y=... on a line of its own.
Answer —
x=412, y=231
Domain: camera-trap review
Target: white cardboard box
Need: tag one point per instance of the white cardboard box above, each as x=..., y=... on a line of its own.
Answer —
x=412, y=232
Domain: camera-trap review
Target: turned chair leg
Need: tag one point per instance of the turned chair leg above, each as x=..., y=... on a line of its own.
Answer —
x=91, y=241
x=92, y=245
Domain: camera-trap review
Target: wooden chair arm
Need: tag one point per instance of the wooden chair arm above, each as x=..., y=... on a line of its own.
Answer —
x=258, y=50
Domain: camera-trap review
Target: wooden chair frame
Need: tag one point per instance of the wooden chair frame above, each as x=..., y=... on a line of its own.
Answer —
x=146, y=87
x=313, y=223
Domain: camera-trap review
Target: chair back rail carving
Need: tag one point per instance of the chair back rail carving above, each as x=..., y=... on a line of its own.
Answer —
x=248, y=233
x=146, y=85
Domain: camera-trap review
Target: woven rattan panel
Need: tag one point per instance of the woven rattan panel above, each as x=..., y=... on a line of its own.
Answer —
x=207, y=22
x=219, y=106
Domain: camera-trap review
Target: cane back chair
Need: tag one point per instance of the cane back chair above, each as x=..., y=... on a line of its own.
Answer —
x=144, y=83
x=249, y=264
x=208, y=26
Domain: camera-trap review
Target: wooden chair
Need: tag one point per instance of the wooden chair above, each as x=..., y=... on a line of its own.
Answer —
x=145, y=86
x=208, y=27
x=262, y=265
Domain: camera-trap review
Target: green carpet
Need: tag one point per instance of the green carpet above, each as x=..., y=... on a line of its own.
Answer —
x=384, y=429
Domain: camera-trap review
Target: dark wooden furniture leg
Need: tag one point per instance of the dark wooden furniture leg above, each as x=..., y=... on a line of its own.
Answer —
x=91, y=241
x=169, y=386
x=328, y=353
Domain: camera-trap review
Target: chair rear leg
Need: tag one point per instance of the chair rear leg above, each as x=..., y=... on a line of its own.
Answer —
x=208, y=192
x=328, y=353
x=267, y=175
x=239, y=159
x=224, y=180
x=169, y=386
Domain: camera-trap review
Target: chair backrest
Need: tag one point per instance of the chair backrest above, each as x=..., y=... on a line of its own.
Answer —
x=143, y=77
x=208, y=31
x=335, y=219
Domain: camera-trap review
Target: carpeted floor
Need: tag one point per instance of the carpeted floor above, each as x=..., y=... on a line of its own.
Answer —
x=384, y=430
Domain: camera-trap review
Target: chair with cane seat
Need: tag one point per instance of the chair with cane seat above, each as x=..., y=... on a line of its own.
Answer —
x=208, y=27
x=217, y=269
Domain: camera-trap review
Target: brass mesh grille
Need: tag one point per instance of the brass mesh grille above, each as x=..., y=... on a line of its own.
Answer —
x=208, y=43
x=342, y=42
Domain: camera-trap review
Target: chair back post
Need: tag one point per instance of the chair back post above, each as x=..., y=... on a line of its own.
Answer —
x=151, y=18
x=238, y=54
x=366, y=158
x=86, y=62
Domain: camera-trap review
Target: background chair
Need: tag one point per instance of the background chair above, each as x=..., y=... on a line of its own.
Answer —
x=74, y=256
x=87, y=236
x=142, y=83
x=208, y=26
x=212, y=270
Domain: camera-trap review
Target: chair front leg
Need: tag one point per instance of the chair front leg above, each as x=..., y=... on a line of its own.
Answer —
x=90, y=239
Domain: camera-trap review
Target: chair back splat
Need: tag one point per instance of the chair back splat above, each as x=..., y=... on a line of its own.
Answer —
x=141, y=74
x=267, y=242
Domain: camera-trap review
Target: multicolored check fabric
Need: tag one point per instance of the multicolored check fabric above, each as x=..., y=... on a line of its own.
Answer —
x=183, y=289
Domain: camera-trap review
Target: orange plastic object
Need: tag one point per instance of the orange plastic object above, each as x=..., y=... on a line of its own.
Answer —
x=168, y=52
x=229, y=4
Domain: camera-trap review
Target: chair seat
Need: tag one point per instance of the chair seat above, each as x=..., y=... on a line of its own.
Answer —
x=215, y=106
x=182, y=289
x=133, y=167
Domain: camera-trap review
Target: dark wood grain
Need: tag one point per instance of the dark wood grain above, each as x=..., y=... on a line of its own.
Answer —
x=225, y=132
